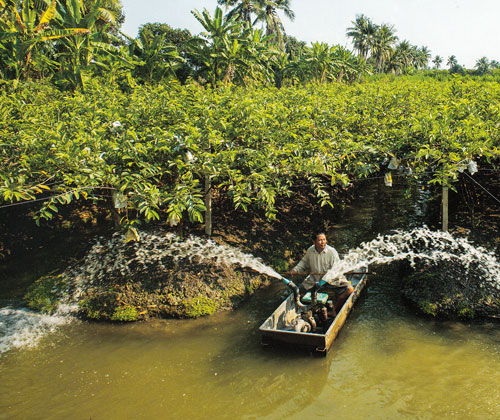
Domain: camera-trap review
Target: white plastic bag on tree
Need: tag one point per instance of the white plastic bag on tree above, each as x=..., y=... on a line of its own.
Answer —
x=394, y=163
x=472, y=167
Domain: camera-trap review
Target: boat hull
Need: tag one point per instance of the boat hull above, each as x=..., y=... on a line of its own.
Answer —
x=273, y=329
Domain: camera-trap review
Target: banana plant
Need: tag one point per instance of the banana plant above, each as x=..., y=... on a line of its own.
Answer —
x=158, y=58
x=319, y=60
x=227, y=53
x=214, y=46
x=78, y=52
x=258, y=56
x=24, y=28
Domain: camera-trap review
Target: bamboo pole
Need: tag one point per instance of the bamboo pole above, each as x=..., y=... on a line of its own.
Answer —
x=445, y=209
x=322, y=274
x=308, y=274
x=208, y=206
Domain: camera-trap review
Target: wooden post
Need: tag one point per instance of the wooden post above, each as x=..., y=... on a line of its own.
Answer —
x=445, y=209
x=208, y=205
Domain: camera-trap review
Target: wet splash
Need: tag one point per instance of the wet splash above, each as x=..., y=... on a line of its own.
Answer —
x=208, y=250
x=22, y=327
x=113, y=256
x=421, y=244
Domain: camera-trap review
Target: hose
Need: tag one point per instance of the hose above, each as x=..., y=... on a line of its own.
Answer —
x=314, y=294
x=295, y=291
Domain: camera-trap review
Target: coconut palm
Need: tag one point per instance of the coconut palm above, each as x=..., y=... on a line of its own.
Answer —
x=406, y=53
x=267, y=12
x=438, y=60
x=421, y=57
x=402, y=58
x=482, y=65
x=363, y=33
x=383, y=45
x=494, y=64
x=452, y=62
x=242, y=9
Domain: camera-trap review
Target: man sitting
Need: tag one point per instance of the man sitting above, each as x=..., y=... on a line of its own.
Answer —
x=319, y=258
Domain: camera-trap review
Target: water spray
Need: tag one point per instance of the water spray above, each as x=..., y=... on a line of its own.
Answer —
x=110, y=257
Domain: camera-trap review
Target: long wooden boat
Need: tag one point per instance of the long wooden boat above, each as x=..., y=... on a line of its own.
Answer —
x=277, y=330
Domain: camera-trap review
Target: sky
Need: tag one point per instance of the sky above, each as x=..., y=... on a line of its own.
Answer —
x=468, y=29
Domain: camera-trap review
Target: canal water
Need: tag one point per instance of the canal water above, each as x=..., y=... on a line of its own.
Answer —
x=387, y=363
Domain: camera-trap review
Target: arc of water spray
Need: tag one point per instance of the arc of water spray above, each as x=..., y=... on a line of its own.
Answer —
x=108, y=257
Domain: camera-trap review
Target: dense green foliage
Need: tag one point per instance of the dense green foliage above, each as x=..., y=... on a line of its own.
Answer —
x=72, y=41
x=60, y=38
x=157, y=145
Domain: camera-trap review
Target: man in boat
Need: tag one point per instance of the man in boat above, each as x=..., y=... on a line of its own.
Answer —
x=319, y=258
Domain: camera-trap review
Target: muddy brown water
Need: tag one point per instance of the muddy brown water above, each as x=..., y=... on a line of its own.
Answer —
x=387, y=363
